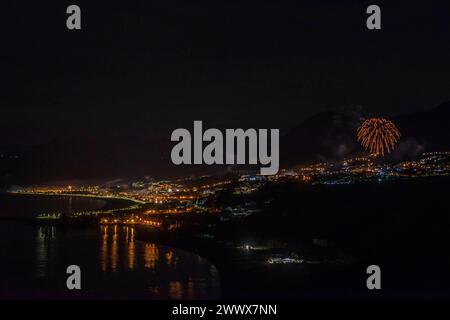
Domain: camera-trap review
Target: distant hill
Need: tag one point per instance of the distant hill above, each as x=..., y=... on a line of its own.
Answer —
x=424, y=131
x=84, y=158
x=332, y=136
x=325, y=136
x=328, y=136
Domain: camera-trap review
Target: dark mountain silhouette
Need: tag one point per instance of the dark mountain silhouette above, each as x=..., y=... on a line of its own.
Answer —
x=332, y=136
x=84, y=158
x=325, y=136
x=328, y=136
x=424, y=131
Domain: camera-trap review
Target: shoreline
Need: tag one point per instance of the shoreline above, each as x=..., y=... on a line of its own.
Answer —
x=79, y=195
x=108, y=205
x=107, y=199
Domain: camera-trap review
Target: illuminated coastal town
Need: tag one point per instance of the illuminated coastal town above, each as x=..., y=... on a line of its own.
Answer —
x=153, y=202
x=261, y=228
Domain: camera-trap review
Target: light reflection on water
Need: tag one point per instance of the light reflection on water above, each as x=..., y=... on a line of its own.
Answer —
x=45, y=249
x=109, y=252
x=114, y=264
x=151, y=258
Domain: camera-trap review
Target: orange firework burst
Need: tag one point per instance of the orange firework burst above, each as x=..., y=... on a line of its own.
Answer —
x=378, y=136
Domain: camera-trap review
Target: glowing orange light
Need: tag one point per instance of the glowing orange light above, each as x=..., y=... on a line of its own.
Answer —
x=378, y=136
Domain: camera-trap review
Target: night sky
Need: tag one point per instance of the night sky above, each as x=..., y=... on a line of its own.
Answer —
x=145, y=68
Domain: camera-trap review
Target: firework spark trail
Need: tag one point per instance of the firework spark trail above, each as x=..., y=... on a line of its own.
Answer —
x=378, y=136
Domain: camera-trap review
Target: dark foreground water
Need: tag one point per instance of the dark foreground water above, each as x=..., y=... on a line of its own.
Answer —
x=113, y=263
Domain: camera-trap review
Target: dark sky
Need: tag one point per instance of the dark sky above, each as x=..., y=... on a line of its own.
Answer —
x=148, y=67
